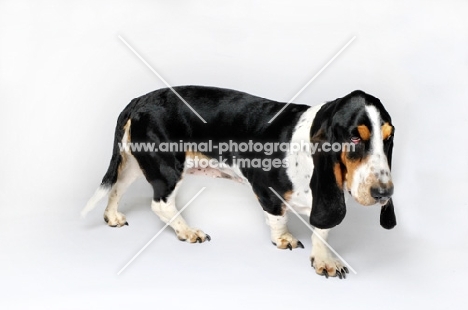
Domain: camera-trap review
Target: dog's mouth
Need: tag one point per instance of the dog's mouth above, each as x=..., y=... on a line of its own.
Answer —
x=367, y=200
x=383, y=202
x=364, y=197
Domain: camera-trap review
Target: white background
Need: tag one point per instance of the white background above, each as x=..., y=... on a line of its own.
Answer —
x=65, y=76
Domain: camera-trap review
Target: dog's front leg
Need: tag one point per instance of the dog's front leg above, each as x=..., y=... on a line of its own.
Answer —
x=324, y=262
x=280, y=235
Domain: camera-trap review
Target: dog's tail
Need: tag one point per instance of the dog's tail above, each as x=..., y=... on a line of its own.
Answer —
x=110, y=178
x=100, y=193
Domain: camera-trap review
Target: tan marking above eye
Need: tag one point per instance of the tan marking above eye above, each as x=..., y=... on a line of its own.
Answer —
x=387, y=130
x=364, y=132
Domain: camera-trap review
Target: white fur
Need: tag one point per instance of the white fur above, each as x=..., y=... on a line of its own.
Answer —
x=167, y=211
x=278, y=225
x=301, y=165
x=322, y=258
x=319, y=249
x=129, y=172
x=100, y=193
x=127, y=175
x=377, y=162
x=280, y=235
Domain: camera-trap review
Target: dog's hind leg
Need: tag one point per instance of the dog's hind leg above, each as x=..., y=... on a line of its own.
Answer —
x=164, y=206
x=163, y=170
x=128, y=173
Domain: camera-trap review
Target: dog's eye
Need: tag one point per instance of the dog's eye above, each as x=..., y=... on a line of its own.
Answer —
x=355, y=140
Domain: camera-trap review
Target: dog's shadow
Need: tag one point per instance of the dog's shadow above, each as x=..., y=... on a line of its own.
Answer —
x=360, y=233
x=361, y=238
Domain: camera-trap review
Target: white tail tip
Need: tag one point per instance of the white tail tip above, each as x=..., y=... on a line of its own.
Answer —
x=100, y=193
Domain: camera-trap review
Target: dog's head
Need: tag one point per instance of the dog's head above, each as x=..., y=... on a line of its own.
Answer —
x=355, y=134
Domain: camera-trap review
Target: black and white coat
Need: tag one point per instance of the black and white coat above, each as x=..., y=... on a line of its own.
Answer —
x=313, y=184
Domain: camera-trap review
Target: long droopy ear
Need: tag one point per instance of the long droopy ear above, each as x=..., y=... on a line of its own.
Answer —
x=387, y=213
x=328, y=204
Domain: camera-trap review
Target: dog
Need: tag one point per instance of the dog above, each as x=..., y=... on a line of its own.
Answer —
x=313, y=183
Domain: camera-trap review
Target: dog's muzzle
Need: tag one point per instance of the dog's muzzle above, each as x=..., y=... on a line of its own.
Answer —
x=382, y=193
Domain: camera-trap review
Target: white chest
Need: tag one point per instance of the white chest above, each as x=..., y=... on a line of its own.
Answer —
x=300, y=163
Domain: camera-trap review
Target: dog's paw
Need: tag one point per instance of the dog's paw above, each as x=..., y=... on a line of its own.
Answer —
x=329, y=267
x=116, y=219
x=192, y=235
x=287, y=241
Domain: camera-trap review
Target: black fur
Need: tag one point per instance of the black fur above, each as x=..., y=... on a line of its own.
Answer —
x=111, y=175
x=230, y=115
x=387, y=212
x=336, y=122
x=161, y=116
x=387, y=215
x=328, y=205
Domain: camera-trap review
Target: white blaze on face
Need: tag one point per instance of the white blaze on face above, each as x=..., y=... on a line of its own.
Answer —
x=374, y=170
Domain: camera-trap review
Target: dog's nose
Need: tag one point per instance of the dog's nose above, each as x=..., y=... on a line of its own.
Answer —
x=381, y=192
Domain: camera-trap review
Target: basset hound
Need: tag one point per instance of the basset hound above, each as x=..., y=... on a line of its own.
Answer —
x=345, y=149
